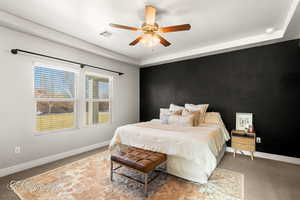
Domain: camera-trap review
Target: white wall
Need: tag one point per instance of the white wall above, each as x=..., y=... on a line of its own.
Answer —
x=17, y=107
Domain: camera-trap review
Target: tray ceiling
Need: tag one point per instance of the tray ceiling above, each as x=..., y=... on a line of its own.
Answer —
x=216, y=25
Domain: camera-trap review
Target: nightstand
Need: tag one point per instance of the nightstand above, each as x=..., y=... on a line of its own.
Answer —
x=243, y=142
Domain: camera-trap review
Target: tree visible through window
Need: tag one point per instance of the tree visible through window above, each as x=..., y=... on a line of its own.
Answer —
x=54, y=91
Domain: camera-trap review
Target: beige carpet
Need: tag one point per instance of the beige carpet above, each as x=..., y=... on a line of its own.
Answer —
x=88, y=179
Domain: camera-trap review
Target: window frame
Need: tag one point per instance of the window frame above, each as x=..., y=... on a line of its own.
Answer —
x=62, y=67
x=109, y=100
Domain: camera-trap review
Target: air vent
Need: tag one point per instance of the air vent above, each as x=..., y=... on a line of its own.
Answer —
x=105, y=34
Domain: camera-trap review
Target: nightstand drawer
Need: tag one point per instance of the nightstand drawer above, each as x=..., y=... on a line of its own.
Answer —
x=243, y=140
x=243, y=147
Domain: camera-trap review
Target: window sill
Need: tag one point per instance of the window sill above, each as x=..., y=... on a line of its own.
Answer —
x=97, y=125
x=55, y=131
x=62, y=131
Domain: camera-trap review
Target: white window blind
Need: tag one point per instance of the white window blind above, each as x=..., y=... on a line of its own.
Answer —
x=98, y=99
x=54, y=92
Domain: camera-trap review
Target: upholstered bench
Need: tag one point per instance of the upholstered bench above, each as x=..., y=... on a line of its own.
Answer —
x=141, y=160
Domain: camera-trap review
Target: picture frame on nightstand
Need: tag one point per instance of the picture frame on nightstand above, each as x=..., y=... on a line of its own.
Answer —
x=243, y=121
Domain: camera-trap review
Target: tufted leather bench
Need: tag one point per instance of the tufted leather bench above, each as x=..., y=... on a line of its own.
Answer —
x=141, y=160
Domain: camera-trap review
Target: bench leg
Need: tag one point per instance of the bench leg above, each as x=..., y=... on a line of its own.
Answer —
x=166, y=170
x=146, y=185
x=111, y=170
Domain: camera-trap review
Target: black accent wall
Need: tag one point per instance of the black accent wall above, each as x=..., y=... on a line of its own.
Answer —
x=262, y=80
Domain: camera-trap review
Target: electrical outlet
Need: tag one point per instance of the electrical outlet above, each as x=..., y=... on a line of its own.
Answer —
x=258, y=140
x=17, y=150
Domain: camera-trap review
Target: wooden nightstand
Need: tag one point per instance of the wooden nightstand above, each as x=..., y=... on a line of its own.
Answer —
x=241, y=141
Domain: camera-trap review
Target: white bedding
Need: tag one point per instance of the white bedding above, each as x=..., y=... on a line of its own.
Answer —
x=192, y=151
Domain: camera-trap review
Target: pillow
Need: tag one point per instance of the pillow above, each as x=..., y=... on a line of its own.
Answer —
x=213, y=118
x=181, y=120
x=201, y=107
x=166, y=112
x=163, y=112
x=164, y=119
x=195, y=114
x=175, y=108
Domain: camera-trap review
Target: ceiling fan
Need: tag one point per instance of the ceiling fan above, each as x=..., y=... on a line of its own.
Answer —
x=150, y=29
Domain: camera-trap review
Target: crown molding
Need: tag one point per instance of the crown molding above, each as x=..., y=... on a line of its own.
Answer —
x=22, y=25
x=212, y=49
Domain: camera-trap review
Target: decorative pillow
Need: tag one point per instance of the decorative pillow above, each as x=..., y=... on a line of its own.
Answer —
x=201, y=107
x=213, y=118
x=167, y=112
x=195, y=114
x=181, y=120
x=178, y=112
x=163, y=112
x=164, y=119
x=175, y=108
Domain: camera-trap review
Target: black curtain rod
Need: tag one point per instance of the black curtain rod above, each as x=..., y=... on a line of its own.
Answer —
x=82, y=65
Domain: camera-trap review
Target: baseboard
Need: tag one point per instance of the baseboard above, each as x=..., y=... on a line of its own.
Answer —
x=270, y=156
x=45, y=160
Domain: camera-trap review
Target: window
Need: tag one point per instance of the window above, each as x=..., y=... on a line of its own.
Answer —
x=56, y=98
x=54, y=92
x=98, y=99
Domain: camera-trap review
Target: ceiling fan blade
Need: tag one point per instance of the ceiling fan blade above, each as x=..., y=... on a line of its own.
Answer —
x=163, y=41
x=123, y=27
x=150, y=13
x=183, y=27
x=134, y=42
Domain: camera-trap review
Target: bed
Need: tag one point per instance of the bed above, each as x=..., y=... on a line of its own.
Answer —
x=193, y=152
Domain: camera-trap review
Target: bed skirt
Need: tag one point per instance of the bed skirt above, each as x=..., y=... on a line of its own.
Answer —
x=189, y=170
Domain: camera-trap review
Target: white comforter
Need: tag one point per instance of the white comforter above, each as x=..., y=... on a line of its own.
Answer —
x=200, y=145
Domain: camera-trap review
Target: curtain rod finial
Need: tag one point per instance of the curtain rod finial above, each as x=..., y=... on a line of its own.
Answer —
x=14, y=51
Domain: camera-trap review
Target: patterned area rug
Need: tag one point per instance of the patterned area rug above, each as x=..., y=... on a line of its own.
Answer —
x=89, y=179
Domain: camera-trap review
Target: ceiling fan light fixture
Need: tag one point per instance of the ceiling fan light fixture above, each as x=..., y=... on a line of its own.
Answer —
x=150, y=40
x=151, y=30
